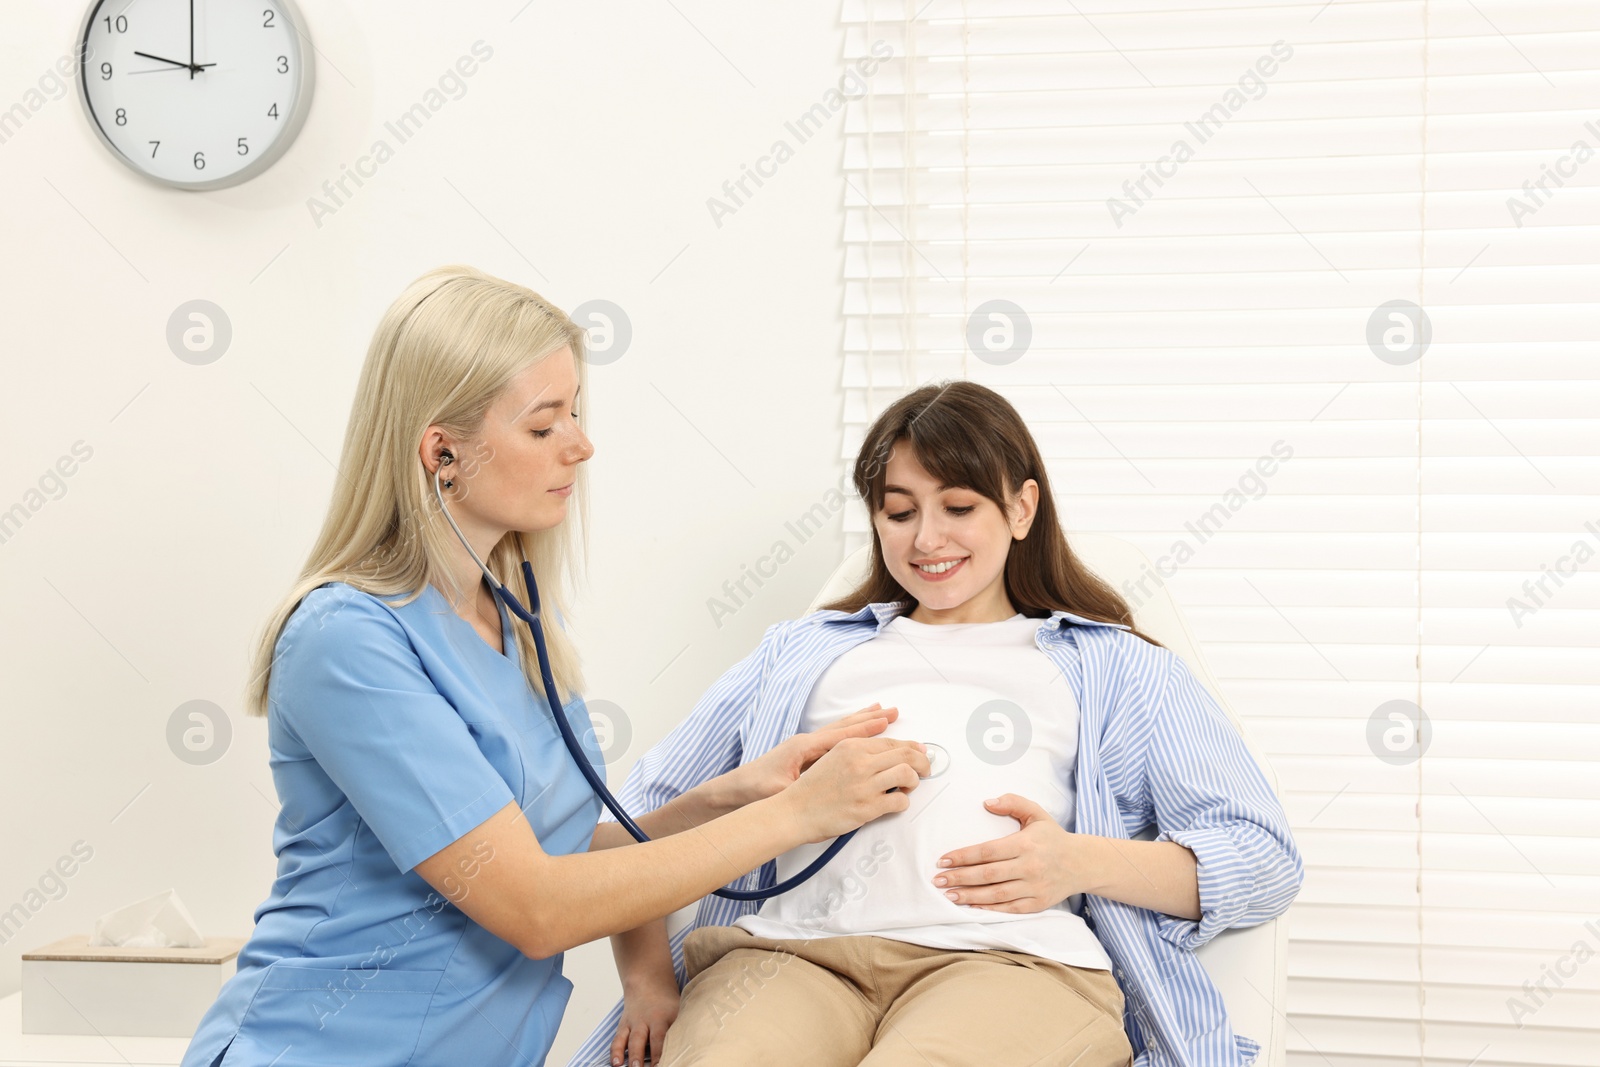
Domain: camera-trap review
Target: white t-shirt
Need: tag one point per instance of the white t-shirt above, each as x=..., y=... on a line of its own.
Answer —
x=1008, y=721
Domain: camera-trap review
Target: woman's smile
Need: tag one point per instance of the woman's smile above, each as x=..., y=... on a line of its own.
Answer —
x=940, y=570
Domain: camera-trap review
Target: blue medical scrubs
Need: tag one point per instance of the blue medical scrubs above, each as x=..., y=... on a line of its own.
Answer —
x=393, y=732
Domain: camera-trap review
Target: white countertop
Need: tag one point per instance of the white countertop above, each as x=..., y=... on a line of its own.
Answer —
x=48, y=1050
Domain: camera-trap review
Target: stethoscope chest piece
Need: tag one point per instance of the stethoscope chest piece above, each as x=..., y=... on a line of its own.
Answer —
x=938, y=759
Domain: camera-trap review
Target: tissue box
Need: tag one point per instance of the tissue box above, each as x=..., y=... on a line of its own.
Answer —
x=72, y=988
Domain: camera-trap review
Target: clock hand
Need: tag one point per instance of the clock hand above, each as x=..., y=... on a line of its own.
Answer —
x=191, y=40
x=174, y=62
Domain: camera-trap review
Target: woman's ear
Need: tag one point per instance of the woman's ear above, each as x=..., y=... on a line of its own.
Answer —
x=435, y=442
x=1024, y=507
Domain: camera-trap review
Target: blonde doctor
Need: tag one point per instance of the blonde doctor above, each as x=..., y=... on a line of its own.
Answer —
x=437, y=846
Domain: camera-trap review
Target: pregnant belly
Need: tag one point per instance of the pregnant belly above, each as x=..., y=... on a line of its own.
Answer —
x=883, y=879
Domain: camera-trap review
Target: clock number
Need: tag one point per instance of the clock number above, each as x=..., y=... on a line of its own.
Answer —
x=283, y=64
x=105, y=72
x=199, y=161
x=272, y=112
x=121, y=24
x=266, y=19
x=244, y=149
x=153, y=150
x=122, y=116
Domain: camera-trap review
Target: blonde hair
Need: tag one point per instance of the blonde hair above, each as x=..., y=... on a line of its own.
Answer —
x=442, y=354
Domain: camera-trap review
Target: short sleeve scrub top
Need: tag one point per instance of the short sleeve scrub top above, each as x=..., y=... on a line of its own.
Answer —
x=392, y=732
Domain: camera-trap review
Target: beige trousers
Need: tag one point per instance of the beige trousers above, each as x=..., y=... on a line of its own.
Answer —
x=843, y=1001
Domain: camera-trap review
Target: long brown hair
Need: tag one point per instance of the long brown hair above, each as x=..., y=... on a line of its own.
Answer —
x=967, y=435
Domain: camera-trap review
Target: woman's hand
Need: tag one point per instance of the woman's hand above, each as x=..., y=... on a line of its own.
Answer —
x=648, y=1009
x=777, y=769
x=1035, y=868
x=854, y=782
x=1042, y=864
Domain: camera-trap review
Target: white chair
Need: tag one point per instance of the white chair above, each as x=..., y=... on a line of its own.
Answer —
x=1250, y=965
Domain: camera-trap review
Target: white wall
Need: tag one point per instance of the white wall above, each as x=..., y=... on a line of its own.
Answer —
x=591, y=140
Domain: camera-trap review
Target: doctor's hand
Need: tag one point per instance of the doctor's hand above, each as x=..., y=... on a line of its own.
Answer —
x=1028, y=871
x=776, y=770
x=854, y=782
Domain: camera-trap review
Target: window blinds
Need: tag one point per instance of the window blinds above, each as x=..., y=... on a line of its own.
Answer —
x=1183, y=237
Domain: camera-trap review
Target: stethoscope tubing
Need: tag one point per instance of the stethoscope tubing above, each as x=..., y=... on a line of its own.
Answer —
x=570, y=739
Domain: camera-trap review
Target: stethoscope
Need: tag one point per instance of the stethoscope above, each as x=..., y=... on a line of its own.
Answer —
x=531, y=616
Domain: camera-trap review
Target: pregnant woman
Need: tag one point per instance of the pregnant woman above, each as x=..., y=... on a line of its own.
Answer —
x=1006, y=916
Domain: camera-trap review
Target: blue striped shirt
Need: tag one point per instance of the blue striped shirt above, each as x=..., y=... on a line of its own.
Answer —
x=1154, y=750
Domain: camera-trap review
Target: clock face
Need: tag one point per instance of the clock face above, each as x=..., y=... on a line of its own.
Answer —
x=196, y=94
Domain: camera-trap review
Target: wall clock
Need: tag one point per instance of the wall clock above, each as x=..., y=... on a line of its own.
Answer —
x=195, y=94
